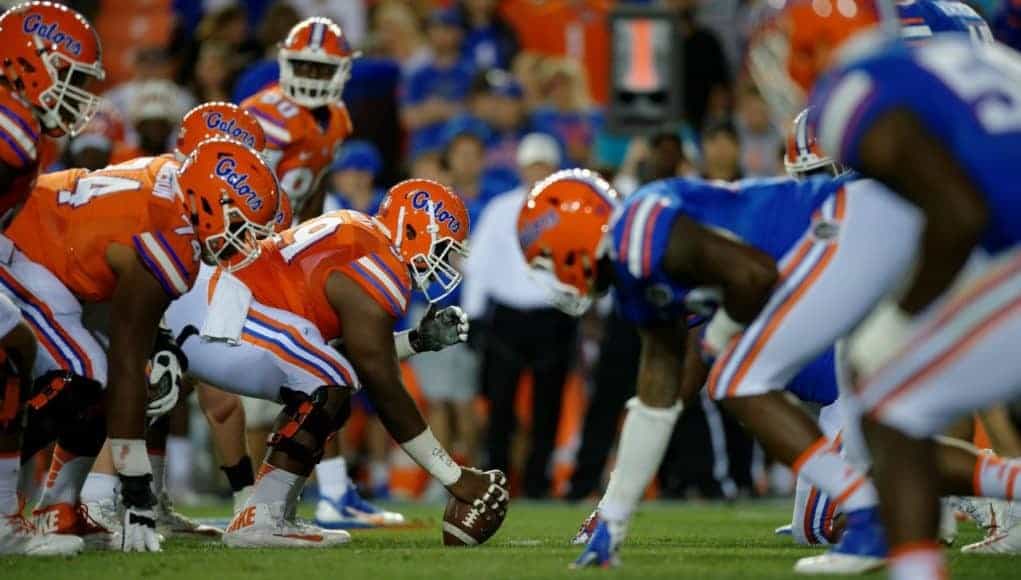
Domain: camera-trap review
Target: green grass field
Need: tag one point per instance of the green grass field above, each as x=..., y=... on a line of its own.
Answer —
x=667, y=541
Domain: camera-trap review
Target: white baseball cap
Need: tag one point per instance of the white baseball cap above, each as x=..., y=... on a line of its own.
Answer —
x=538, y=148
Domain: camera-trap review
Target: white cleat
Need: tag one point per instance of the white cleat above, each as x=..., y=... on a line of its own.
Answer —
x=1003, y=529
x=170, y=522
x=19, y=537
x=838, y=565
x=267, y=526
x=105, y=519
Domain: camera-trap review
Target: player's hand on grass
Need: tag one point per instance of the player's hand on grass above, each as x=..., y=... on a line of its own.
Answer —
x=487, y=487
x=441, y=328
x=139, y=521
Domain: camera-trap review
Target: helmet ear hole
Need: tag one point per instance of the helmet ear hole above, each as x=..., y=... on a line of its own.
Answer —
x=569, y=258
x=410, y=233
x=206, y=207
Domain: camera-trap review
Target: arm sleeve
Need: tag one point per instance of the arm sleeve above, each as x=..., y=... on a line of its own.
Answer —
x=379, y=275
x=170, y=258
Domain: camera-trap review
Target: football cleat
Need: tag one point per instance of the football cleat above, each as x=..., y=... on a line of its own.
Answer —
x=267, y=526
x=861, y=549
x=351, y=511
x=241, y=497
x=603, y=547
x=171, y=522
x=588, y=527
x=1000, y=522
x=784, y=530
x=73, y=520
x=19, y=537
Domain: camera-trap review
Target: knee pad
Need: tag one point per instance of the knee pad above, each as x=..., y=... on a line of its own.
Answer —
x=307, y=421
x=59, y=402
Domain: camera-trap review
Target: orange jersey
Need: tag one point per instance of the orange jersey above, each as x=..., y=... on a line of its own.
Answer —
x=73, y=216
x=292, y=270
x=299, y=148
x=22, y=147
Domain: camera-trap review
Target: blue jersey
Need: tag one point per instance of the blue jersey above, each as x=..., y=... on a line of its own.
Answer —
x=769, y=214
x=968, y=95
x=923, y=18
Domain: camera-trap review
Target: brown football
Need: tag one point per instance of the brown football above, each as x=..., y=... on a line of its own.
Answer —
x=464, y=525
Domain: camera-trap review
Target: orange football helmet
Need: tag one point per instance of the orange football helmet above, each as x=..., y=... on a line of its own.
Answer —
x=803, y=155
x=320, y=41
x=233, y=197
x=428, y=224
x=49, y=54
x=218, y=119
x=561, y=229
x=797, y=43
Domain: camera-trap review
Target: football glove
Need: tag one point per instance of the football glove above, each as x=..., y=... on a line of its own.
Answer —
x=139, y=524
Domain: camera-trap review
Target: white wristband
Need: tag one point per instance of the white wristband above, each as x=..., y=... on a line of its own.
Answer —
x=427, y=452
x=130, y=457
x=402, y=342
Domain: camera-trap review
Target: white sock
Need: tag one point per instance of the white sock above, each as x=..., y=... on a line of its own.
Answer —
x=996, y=477
x=159, y=472
x=918, y=561
x=275, y=485
x=822, y=466
x=100, y=486
x=180, y=462
x=379, y=474
x=66, y=477
x=332, y=477
x=643, y=441
x=9, y=466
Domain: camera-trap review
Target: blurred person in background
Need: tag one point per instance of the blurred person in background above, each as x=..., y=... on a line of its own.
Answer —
x=155, y=115
x=658, y=157
x=759, y=139
x=151, y=63
x=489, y=41
x=102, y=142
x=351, y=181
x=280, y=18
x=577, y=30
x=429, y=165
x=704, y=68
x=398, y=36
x=721, y=152
x=214, y=73
x=226, y=25
x=567, y=111
x=436, y=92
x=525, y=332
x=464, y=162
x=496, y=100
x=527, y=70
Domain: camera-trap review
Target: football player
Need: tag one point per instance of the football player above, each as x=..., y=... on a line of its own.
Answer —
x=99, y=493
x=684, y=246
x=49, y=53
x=303, y=116
x=343, y=276
x=938, y=124
x=131, y=235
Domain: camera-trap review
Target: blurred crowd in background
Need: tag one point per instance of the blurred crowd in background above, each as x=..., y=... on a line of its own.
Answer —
x=488, y=97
